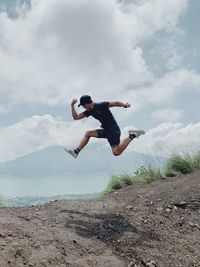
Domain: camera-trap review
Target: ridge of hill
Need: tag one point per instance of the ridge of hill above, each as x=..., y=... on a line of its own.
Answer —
x=55, y=161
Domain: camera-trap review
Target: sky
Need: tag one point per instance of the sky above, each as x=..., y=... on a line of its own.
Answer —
x=143, y=52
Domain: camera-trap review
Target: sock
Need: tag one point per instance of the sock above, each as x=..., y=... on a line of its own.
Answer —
x=132, y=136
x=77, y=150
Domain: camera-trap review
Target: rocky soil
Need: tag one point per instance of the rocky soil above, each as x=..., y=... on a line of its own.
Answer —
x=142, y=225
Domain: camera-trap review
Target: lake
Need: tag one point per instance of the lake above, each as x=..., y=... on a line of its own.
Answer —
x=50, y=186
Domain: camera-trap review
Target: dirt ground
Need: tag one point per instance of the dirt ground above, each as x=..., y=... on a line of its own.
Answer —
x=142, y=225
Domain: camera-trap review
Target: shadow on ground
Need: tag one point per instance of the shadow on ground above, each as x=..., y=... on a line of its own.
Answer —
x=108, y=228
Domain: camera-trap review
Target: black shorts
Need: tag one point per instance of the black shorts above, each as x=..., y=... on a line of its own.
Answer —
x=112, y=134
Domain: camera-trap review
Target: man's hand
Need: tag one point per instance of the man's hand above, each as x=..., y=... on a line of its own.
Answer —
x=127, y=105
x=74, y=101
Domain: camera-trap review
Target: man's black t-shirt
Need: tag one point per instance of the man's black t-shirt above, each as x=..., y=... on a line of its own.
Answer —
x=102, y=113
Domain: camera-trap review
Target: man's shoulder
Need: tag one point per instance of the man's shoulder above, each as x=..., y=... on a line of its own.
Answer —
x=102, y=104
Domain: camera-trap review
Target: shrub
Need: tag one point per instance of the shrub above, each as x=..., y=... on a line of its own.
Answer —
x=196, y=161
x=147, y=174
x=178, y=163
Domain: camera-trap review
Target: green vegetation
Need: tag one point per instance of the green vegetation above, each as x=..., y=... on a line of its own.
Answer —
x=179, y=164
x=196, y=161
x=176, y=164
x=144, y=174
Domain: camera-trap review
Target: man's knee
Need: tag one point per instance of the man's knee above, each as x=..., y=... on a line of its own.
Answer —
x=89, y=134
x=116, y=152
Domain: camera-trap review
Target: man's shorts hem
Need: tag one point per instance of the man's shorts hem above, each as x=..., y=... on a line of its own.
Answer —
x=113, y=146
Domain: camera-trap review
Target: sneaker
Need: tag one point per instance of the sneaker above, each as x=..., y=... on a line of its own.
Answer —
x=71, y=152
x=135, y=133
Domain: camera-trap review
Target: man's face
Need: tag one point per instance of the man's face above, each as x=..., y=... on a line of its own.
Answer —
x=89, y=106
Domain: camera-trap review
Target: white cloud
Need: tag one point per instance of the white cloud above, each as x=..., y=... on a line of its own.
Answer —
x=36, y=133
x=149, y=17
x=39, y=132
x=63, y=48
x=167, y=115
x=165, y=89
x=168, y=138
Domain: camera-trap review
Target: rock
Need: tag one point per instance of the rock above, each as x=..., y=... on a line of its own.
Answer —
x=131, y=264
x=181, y=204
x=169, y=207
x=90, y=251
x=191, y=224
x=159, y=209
x=168, y=210
x=10, y=234
x=149, y=203
x=129, y=207
x=2, y=235
x=151, y=264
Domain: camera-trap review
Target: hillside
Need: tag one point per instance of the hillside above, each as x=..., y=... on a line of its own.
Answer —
x=154, y=224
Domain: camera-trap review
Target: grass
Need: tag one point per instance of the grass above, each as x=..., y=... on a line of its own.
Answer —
x=179, y=164
x=176, y=164
x=143, y=174
x=196, y=161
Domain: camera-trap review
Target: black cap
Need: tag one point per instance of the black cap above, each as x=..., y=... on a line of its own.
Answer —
x=85, y=99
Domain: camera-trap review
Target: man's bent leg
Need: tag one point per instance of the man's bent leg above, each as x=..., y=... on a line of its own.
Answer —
x=83, y=143
x=117, y=150
x=86, y=138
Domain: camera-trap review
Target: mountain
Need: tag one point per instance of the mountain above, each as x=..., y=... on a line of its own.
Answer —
x=55, y=161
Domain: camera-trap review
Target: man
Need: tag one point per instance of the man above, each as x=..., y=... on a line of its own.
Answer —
x=109, y=128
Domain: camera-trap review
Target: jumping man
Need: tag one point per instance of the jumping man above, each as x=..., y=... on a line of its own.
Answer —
x=109, y=127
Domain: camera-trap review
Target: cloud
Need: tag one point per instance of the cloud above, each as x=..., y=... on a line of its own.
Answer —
x=165, y=89
x=64, y=48
x=168, y=138
x=167, y=115
x=36, y=133
x=145, y=18
x=39, y=132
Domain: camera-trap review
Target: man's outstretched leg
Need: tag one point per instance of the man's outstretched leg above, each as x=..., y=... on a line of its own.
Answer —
x=117, y=150
x=83, y=143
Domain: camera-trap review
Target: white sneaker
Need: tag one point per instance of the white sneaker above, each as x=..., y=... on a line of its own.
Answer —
x=71, y=152
x=135, y=133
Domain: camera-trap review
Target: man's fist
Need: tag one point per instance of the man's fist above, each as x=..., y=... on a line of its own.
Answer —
x=74, y=101
x=127, y=105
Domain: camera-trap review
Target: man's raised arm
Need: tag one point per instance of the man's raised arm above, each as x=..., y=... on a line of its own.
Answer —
x=75, y=115
x=119, y=104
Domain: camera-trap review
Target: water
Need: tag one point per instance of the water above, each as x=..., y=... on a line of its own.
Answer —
x=50, y=186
